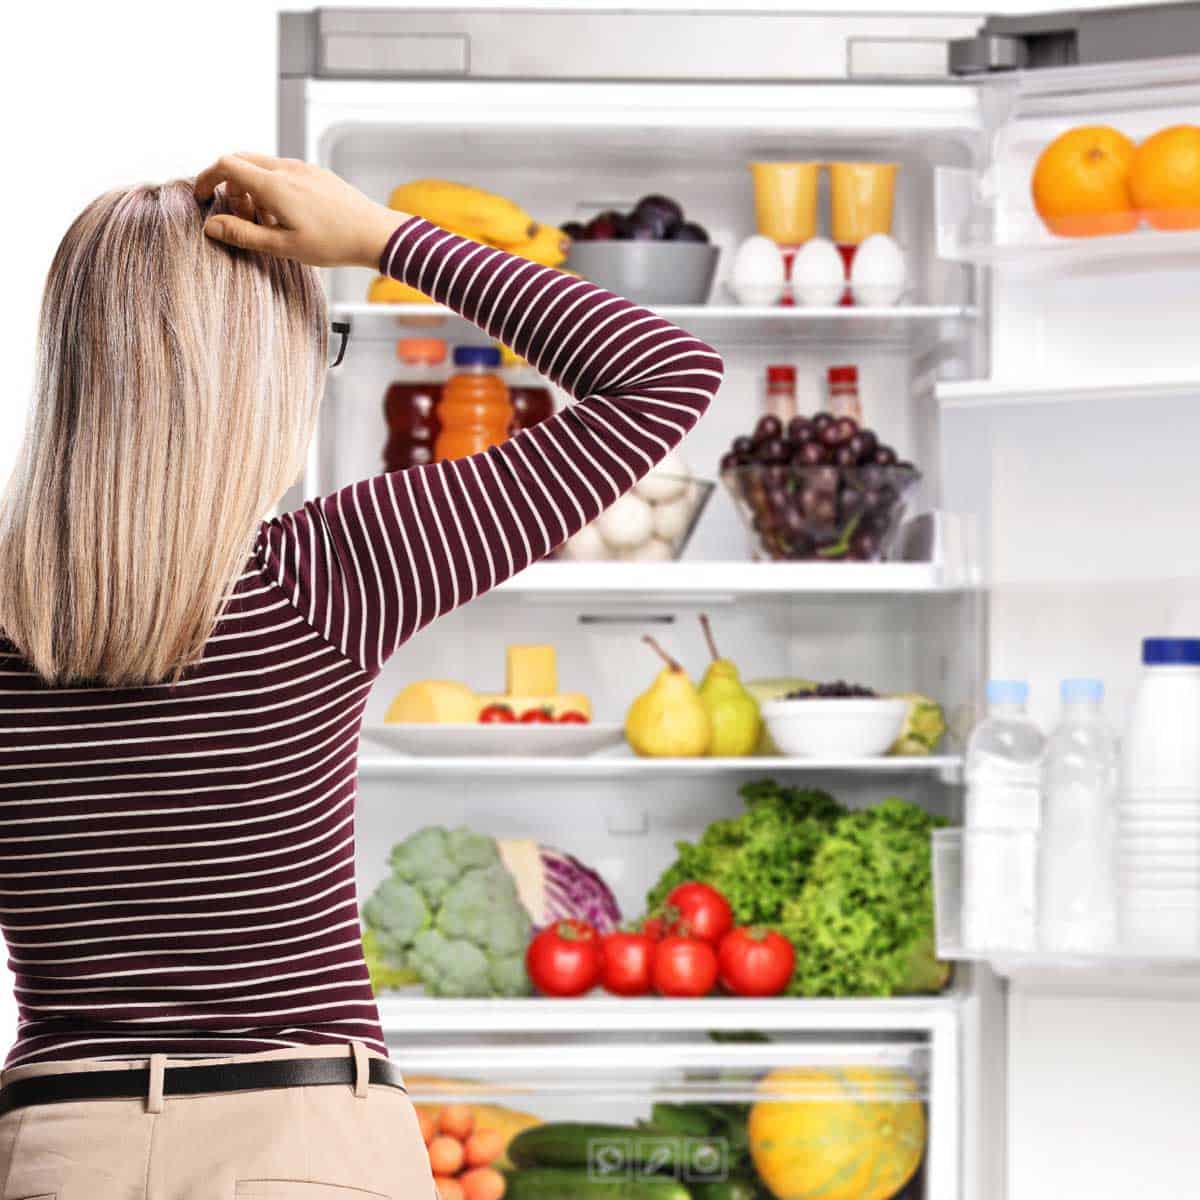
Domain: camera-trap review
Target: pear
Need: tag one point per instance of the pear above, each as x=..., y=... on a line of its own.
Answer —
x=668, y=720
x=733, y=712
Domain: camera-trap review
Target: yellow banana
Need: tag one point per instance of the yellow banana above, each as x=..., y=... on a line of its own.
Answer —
x=467, y=210
x=548, y=246
x=384, y=290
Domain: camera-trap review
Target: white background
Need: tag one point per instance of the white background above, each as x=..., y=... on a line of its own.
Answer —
x=101, y=94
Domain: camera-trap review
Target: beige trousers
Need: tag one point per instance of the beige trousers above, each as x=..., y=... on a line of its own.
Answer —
x=306, y=1143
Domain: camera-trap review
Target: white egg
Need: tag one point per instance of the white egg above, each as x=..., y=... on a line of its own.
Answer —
x=668, y=480
x=655, y=550
x=586, y=546
x=818, y=274
x=877, y=274
x=758, y=274
x=627, y=524
x=671, y=520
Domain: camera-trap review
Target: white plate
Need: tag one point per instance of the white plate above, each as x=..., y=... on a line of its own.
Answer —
x=495, y=741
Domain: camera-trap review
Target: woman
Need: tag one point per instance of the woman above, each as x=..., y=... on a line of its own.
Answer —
x=181, y=683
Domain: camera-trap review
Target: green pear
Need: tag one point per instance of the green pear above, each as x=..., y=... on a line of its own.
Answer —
x=733, y=712
x=668, y=720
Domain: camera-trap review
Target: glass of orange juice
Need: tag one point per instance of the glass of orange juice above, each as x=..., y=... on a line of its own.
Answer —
x=785, y=200
x=862, y=196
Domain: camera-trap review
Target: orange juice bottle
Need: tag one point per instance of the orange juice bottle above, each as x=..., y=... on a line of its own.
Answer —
x=474, y=411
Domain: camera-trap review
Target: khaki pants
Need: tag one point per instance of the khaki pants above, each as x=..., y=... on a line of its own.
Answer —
x=306, y=1143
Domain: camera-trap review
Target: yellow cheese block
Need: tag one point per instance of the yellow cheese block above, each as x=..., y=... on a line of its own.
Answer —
x=532, y=671
x=566, y=702
x=434, y=702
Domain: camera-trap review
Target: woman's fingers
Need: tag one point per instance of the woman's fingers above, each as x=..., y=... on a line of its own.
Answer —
x=246, y=235
x=233, y=168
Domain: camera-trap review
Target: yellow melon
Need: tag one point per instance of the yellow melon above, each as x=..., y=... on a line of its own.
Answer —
x=852, y=1134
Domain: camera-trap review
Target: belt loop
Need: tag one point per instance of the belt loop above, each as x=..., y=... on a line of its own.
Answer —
x=154, y=1094
x=362, y=1068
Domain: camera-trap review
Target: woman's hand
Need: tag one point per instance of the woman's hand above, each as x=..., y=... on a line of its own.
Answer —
x=292, y=209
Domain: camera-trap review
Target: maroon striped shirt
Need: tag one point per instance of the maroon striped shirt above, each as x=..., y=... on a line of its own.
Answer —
x=177, y=862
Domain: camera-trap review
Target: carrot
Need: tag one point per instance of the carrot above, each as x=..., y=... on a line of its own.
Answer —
x=483, y=1147
x=457, y=1120
x=445, y=1155
x=449, y=1189
x=428, y=1126
x=482, y=1183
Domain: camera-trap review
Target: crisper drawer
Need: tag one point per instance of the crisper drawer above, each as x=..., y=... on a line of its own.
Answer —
x=673, y=1118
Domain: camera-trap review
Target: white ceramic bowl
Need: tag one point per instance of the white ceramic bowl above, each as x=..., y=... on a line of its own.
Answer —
x=845, y=728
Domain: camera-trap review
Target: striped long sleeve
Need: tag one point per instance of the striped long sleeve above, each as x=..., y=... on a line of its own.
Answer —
x=373, y=563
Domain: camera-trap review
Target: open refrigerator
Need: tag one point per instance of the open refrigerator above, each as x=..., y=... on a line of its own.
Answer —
x=1045, y=387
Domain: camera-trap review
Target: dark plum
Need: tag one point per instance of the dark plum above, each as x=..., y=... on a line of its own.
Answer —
x=667, y=212
x=728, y=460
x=799, y=431
x=865, y=545
x=847, y=427
x=574, y=230
x=845, y=456
x=821, y=420
x=872, y=476
x=769, y=426
x=742, y=446
x=885, y=456
x=776, y=475
x=603, y=227
x=850, y=501
x=824, y=479
x=644, y=228
x=777, y=500
x=810, y=454
x=773, y=450
x=863, y=444
x=831, y=436
x=689, y=231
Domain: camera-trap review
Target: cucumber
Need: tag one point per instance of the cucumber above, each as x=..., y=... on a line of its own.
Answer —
x=685, y=1120
x=573, y=1144
x=563, y=1183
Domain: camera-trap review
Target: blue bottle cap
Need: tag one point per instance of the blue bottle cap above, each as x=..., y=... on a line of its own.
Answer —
x=1171, y=652
x=1007, y=691
x=476, y=356
x=1076, y=690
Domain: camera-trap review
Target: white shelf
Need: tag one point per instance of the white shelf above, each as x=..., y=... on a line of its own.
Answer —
x=709, y=579
x=722, y=322
x=417, y=1014
x=376, y=765
x=1147, y=386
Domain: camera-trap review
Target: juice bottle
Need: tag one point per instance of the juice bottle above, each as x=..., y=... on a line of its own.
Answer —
x=532, y=401
x=474, y=410
x=410, y=404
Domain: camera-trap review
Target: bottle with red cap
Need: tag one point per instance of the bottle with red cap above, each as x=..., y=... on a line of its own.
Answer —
x=781, y=392
x=410, y=404
x=844, y=399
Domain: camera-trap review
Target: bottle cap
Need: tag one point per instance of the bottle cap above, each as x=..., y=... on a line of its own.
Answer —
x=1007, y=691
x=427, y=351
x=1168, y=652
x=843, y=374
x=1074, y=691
x=476, y=356
x=782, y=374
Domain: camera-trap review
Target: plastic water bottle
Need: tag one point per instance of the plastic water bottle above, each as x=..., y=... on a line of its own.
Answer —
x=1003, y=770
x=1076, y=881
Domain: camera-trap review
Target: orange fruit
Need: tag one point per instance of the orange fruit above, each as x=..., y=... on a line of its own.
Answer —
x=1081, y=183
x=1165, y=178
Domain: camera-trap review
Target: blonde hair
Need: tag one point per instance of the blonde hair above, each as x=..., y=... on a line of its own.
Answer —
x=176, y=391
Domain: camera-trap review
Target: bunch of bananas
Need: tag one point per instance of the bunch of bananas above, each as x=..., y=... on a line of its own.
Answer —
x=481, y=216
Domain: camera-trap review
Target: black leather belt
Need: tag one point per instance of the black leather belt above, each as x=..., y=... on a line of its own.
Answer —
x=193, y=1080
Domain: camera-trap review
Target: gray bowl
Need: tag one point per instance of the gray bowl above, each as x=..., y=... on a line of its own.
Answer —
x=648, y=272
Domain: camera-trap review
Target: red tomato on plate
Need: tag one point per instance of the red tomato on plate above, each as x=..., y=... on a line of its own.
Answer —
x=564, y=959
x=702, y=912
x=627, y=962
x=497, y=714
x=572, y=717
x=755, y=962
x=536, y=716
x=684, y=966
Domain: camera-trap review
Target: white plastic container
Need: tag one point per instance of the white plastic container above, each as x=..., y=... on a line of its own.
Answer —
x=1076, y=884
x=842, y=728
x=1003, y=771
x=1159, y=813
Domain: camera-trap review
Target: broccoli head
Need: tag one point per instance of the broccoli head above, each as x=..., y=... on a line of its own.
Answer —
x=757, y=861
x=384, y=973
x=863, y=923
x=450, y=913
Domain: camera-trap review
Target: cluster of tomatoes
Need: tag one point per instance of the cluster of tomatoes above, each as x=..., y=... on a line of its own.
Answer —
x=501, y=714
x=685, y=950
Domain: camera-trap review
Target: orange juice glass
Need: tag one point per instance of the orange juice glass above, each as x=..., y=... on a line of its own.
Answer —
x=474, y=411
x=862, y=197
x=785, y=200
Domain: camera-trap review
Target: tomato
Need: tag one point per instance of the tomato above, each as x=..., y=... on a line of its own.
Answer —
x=564, y=959
x=572, y=717
x=684, y=966
x=702, y=912
x=627, y=959
x=655, y=928
x=755, y=962
x=497, y=714
x=536, y=716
